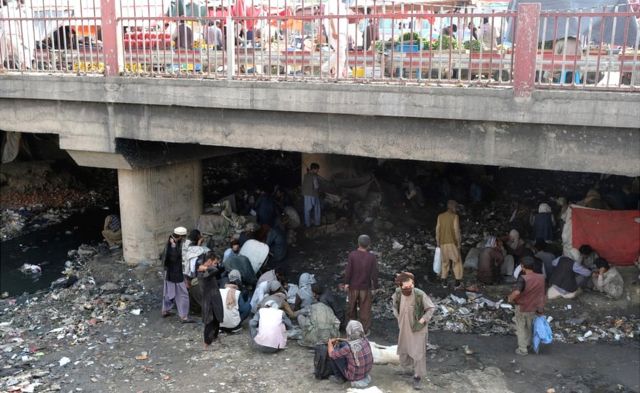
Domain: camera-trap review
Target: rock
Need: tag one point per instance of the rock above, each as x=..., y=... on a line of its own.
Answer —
x=109, y=287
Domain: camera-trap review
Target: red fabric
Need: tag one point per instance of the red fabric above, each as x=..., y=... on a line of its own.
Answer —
x=613, y=234
x=217, y=13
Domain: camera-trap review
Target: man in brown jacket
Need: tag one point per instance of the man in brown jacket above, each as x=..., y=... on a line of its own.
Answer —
x=361, y=277
x=448, y=239
x=529, y=296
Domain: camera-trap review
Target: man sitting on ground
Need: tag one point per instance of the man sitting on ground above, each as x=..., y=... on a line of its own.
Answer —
x=566, y=277
x=268, y=329
x=236, y=309
x=318, y=322
x=607, y=279
x=588, y=256
x=490, y=261
x=112, y=232
x=351, y=359
x=234, y=249
x=542, y=253
x=277, y=294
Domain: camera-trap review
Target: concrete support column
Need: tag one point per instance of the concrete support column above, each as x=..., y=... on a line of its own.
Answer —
x=153, y=201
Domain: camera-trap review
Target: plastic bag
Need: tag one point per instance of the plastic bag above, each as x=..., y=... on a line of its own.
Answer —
x=541, y=332
x=437, y=261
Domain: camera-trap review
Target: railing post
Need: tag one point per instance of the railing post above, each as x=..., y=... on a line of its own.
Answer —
x=111, y=38
x=231, y=46
x=525, y=48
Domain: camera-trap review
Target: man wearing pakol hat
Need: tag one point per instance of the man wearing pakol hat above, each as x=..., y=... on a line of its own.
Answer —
x=175, y=287
x=413, y=310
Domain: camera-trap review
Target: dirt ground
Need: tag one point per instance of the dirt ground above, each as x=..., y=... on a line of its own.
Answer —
x=107, y=359
x=116, y=341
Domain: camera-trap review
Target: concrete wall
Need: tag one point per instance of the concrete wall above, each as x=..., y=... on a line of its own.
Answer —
x=562, y=107
x=153, y=201
x=559, y=130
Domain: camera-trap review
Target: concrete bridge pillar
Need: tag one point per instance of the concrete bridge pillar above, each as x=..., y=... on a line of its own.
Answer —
x=155, y=200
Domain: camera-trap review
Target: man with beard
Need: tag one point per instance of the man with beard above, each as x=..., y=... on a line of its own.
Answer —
x=413, y=310
x=175, y=287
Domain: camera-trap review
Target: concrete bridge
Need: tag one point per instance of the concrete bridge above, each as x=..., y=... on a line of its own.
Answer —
x=155, y=131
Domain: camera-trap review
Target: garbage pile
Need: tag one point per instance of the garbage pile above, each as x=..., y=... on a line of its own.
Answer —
x=12, y=223
x=36, y=327
x=474, y=313
x=577, y=330
x=17, y=222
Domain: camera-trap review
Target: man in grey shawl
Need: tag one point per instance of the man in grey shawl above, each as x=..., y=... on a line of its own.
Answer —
x=318, y=322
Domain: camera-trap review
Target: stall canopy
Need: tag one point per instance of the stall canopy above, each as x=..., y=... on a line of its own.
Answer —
x=602, y=29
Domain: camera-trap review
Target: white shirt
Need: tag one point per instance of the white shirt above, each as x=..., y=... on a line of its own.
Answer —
x=271, y=330
x=231, y=314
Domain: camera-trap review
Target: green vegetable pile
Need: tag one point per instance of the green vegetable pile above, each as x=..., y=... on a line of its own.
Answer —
x=473, y=45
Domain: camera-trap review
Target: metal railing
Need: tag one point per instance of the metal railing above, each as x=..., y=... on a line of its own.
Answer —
x=365, y=41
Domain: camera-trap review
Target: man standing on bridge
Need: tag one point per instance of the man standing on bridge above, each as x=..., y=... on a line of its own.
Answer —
x=448, y=239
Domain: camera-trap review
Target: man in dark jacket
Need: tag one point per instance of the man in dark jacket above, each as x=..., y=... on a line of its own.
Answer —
x=175, y=287
x=212, y=311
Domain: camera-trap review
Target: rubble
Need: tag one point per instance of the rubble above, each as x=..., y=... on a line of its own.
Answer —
x=38, y=326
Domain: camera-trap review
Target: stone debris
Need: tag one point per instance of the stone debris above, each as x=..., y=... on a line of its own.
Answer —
x=36, y=329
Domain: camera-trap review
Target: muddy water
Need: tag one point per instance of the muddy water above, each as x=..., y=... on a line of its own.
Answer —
x=48, y=248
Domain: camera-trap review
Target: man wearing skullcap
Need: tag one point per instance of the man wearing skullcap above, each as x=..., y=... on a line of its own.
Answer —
x=175, y=287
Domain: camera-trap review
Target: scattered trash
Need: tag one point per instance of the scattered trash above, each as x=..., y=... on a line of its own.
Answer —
x=142, y=356
x=396, y=245
x=136, y=311
x=64, y=361
x=28, y=268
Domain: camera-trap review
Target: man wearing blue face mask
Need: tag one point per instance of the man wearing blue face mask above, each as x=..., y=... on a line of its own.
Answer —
x=336, y=29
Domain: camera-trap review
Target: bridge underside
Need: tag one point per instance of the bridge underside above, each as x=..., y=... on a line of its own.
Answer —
x=156, y=132
x=94, y=127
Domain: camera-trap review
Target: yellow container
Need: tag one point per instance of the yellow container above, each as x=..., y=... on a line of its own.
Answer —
x=358, y=72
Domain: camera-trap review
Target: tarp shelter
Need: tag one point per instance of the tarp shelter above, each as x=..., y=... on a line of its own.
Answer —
x=613, y=234
x=602, y=29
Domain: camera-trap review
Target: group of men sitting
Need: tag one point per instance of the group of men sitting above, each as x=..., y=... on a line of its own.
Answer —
x=500, y=259
x=227, y=291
